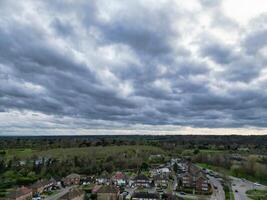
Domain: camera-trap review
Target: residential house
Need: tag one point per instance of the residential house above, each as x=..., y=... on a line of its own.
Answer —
x=72, y=179
x=85, y=180
x=142, y=180
x=187, y=180
x=202, y=183
x=119, y=179
x=108, y=192
x=42, y=185
x=160, y=180
x=73, y=194
x=164, y=171
x=145, y=196
x=22, y=193
x=195, y=178
x=102, y=180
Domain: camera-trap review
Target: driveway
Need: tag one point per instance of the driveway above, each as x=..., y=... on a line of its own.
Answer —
x=240, y=186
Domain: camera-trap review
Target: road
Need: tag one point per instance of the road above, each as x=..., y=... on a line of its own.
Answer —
x=240, y=186
x=59, y=194
x=218, y=194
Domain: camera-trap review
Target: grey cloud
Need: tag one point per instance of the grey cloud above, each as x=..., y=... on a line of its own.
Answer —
x=56, y=69
x=219, y=53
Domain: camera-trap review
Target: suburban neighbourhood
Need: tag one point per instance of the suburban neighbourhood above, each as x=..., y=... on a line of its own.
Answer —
x=176, y=179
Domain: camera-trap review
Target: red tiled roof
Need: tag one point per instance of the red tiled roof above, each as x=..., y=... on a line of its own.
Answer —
x=119, y=175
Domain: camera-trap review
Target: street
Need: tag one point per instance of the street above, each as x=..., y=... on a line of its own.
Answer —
x=240, y=186
x=218, y=194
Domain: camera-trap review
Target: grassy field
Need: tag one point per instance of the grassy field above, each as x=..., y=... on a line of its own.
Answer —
x=257, y=194
x=229, y=173
x=96, y=152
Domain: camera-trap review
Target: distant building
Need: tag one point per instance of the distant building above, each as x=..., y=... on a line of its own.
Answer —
x=142, y=180
x=202, y=183
x=160, y=180
x=22, y=193
x=108, y=192
x=195, y=178
x=102, y=180
x=145, y=196
x=72, y=179
x=73, y=194
x=164, y=171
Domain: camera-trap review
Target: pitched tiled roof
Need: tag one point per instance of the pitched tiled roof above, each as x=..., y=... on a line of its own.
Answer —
x=119, y=175
x=19, y=192
x=41, y=183
x=73, y=175
x=108, y=189
x=72, y=194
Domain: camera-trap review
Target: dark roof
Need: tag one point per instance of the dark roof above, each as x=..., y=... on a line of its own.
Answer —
x=145, y=195
x=108, y=189
x=72, y=194
x=141, y=177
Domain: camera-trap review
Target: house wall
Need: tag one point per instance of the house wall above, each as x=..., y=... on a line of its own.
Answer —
x=202, y=185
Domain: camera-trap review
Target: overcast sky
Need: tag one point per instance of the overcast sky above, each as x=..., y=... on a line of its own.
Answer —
x=135, y=66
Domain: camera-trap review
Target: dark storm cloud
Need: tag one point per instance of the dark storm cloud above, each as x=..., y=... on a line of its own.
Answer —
x=102, y=64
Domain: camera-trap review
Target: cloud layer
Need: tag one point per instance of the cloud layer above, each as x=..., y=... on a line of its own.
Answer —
x=128, y=64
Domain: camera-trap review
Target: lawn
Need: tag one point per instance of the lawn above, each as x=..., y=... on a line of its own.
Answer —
x=257, y=194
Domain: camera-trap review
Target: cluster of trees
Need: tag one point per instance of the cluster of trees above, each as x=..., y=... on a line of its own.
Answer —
x=166, y=142
x=251, y=167
x=16, y=171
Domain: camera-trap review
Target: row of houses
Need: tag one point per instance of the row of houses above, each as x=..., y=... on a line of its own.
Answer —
x=39, y=187
x=112, y=192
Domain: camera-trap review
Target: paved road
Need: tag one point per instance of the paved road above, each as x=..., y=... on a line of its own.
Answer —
x=59, y=194
x=218, y=194
x=240, y=186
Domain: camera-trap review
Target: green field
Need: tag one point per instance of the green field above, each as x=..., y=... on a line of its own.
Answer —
x=257, y=194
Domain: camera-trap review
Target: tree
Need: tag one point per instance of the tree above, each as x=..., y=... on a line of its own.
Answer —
x=175, y=167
